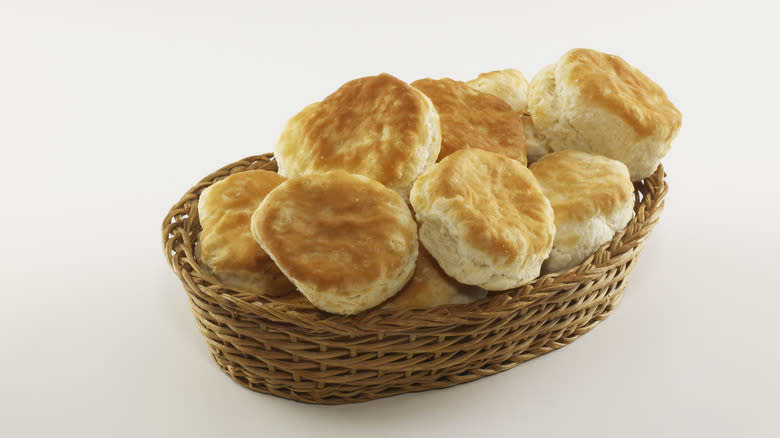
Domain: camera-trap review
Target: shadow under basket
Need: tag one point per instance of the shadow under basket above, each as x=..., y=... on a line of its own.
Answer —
x=285, y=347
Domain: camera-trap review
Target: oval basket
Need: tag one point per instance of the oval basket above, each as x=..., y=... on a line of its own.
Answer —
x=285, y=347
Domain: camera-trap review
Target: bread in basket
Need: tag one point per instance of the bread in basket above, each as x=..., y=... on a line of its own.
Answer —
x=285, y=347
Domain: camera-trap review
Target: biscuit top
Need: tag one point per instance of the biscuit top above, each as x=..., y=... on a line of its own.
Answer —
x=336, y=231
x=225, y=209
x=370, y=126
x=509, y=85
x=495, y=199
x=430, y=286
x=473, y=119
x=612, y=83
x=580, y=185
x=290, y=142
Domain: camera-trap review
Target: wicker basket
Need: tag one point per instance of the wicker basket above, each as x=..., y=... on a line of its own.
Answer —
x=285, y=347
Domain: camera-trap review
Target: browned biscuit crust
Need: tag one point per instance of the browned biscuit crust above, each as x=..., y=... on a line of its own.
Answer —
x=430, y=286
x=347, y=242
x=473, y=119
x=227, y=247
x=376, y=126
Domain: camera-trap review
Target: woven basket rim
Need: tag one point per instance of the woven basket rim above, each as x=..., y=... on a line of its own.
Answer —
x=177, y=226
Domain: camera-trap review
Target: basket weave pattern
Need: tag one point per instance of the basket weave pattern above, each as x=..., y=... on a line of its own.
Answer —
x=284, y=346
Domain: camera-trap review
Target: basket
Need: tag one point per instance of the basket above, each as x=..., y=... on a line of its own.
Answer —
x=285, y=347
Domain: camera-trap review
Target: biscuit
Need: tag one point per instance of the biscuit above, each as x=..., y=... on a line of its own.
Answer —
x=431, y=287
x=511, y=86
x=226, y=246
x=473, y=119
x=508, y=85
x=484, y=219
x=596, y=102
x=376, y=126
x=346, y=242
x=592, y=197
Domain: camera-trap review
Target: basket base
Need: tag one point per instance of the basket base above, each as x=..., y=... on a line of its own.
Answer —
x=559, y=333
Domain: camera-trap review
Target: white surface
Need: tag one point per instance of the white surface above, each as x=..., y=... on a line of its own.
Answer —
x=109, y=113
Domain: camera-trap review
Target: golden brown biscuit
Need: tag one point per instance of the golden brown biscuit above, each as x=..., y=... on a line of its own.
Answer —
x=484, y=219
x=431, y=287
x=596, y=102
x=376, y=126
x=592, y=197
x=347, y=242
x=227, y=247
x=508, y=85
x=472, y=119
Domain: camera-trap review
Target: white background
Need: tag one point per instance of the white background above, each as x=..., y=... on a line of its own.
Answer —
x=108, y=113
